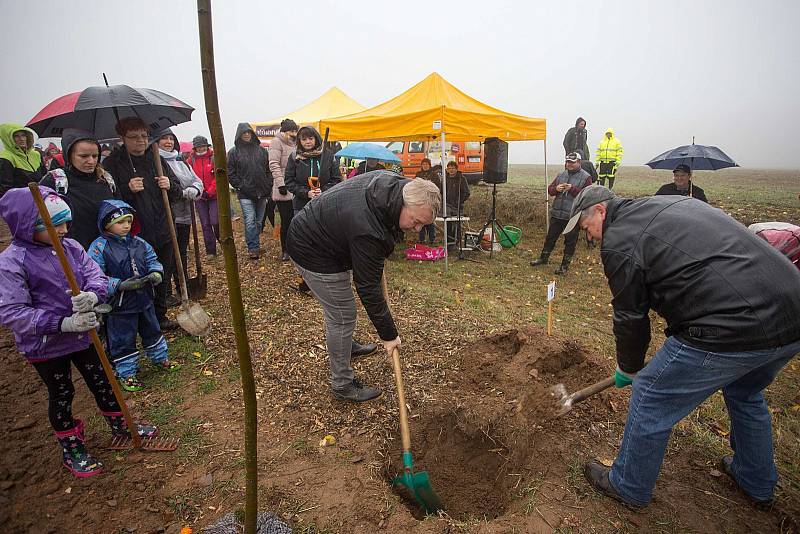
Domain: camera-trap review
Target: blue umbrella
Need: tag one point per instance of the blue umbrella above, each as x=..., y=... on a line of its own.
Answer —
x=368, y=150
x=697, y=157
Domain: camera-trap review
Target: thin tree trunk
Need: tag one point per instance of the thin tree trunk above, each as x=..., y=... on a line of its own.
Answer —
x=231, y=264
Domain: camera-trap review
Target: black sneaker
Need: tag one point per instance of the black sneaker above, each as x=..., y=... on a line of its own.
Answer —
x=360, y=351
x=539, y=261
x=597, y=475
x=764, y=506
x=357, y=392
x=167, y=324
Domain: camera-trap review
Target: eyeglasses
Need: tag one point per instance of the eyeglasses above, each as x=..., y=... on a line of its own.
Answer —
x=143, y=137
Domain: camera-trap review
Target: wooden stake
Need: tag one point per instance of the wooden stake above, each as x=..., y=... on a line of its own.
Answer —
x=551, y=295
x=231, y=264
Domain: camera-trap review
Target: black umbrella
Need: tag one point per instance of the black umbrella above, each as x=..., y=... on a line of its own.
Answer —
x=98, y=109
x=697, y=157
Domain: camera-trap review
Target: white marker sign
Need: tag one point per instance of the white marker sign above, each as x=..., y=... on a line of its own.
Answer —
x=551, y=291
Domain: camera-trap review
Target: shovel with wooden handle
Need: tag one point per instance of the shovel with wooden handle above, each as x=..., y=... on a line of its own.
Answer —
x=565, y=401
x=192, y=317
x=196, y=285
x=134, y=441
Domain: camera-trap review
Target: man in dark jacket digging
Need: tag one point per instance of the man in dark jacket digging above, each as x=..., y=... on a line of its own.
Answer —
x=732, y=307
x=248, y=172
x=353, y=227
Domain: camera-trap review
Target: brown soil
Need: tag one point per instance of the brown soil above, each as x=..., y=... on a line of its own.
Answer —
x=482, y=425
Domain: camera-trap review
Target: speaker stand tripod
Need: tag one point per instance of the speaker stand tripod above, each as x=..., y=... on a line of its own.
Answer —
x=495, y=223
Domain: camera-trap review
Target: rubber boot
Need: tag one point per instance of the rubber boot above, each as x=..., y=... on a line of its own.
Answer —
x=564, y=267
x=119, y=428
x=75, y=458
x=543, y=258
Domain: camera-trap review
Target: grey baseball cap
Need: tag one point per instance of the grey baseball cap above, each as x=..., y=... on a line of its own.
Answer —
x=588, y=197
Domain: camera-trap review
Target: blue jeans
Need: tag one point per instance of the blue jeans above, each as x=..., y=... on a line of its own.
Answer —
x=673, y=384
x=253, y=214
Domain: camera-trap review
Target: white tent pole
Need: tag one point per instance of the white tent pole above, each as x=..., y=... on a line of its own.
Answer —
x=546, y=196
x=444, y=201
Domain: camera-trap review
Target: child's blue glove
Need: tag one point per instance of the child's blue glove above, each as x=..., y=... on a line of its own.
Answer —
x=622, y=379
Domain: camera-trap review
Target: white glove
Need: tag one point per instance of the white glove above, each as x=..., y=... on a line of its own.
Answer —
x=190, y=193
x=391, y=345
x=83, y=301
x=79, y=322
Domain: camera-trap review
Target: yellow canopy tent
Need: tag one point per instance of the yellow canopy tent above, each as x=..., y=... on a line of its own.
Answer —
x=333, y=103
x=429, y=109
x=436, y=108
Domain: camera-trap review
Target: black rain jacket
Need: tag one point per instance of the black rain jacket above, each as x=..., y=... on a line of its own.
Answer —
x=719, y=287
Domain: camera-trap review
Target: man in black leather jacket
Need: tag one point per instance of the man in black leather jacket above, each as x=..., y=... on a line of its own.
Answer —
x=343, y=237
x=732, y=307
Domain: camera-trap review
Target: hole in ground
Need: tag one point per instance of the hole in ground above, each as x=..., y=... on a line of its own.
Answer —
x=467, y=469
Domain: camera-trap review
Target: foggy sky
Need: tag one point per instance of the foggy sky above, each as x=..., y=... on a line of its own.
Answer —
x=726, y=72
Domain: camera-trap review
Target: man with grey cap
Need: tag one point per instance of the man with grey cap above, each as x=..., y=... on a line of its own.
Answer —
x=730, y=327
x=564, y=188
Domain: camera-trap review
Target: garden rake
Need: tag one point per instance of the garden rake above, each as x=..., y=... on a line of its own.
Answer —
x=133, y=441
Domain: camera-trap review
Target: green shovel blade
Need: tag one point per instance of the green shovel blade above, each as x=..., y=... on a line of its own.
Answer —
x=419, y=485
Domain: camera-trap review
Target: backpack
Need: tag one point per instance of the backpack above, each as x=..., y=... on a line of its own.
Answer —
x=785, y=237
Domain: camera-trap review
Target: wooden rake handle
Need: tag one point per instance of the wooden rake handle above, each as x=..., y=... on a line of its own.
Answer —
x=73, y=285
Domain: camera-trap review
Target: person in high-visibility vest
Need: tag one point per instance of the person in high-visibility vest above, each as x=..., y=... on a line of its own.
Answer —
x=609, y=158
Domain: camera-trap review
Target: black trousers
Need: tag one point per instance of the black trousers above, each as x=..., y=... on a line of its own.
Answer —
x=286, y=211
x=166, y=256
x=57, y=376
x=570, y=240
x=182, y=231
x=606, y=170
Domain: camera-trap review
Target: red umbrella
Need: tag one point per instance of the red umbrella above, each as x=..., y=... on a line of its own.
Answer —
x=98, y=109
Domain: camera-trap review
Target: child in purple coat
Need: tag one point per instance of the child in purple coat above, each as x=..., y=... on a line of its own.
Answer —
x=50, y=327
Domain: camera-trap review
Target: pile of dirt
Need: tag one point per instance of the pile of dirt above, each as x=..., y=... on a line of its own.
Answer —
x=475, y=447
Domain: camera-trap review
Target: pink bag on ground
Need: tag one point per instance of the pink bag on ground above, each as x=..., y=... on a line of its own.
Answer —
x=425, y=253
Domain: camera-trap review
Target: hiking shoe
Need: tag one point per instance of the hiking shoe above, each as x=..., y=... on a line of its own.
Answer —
x=765, y=506
x=173, y=301
x=360, y=351
x=254, y=254
x=562, y=269
x=357, y=392
x=542, y=260
x=167, y=324
x=131, y=383
x=597, y=476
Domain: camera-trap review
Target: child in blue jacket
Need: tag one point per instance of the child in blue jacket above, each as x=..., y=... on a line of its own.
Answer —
x=133, y=270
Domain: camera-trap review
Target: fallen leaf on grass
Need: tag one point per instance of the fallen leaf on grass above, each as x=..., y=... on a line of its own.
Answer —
x=208, y=373
x=606, y=462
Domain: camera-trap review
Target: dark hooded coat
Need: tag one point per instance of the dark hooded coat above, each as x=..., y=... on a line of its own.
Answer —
x=248, y=166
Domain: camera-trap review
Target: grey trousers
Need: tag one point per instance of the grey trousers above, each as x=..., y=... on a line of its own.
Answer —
x=335, y=294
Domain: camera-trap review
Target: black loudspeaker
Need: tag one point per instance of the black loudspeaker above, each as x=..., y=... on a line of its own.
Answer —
x=495, y=161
